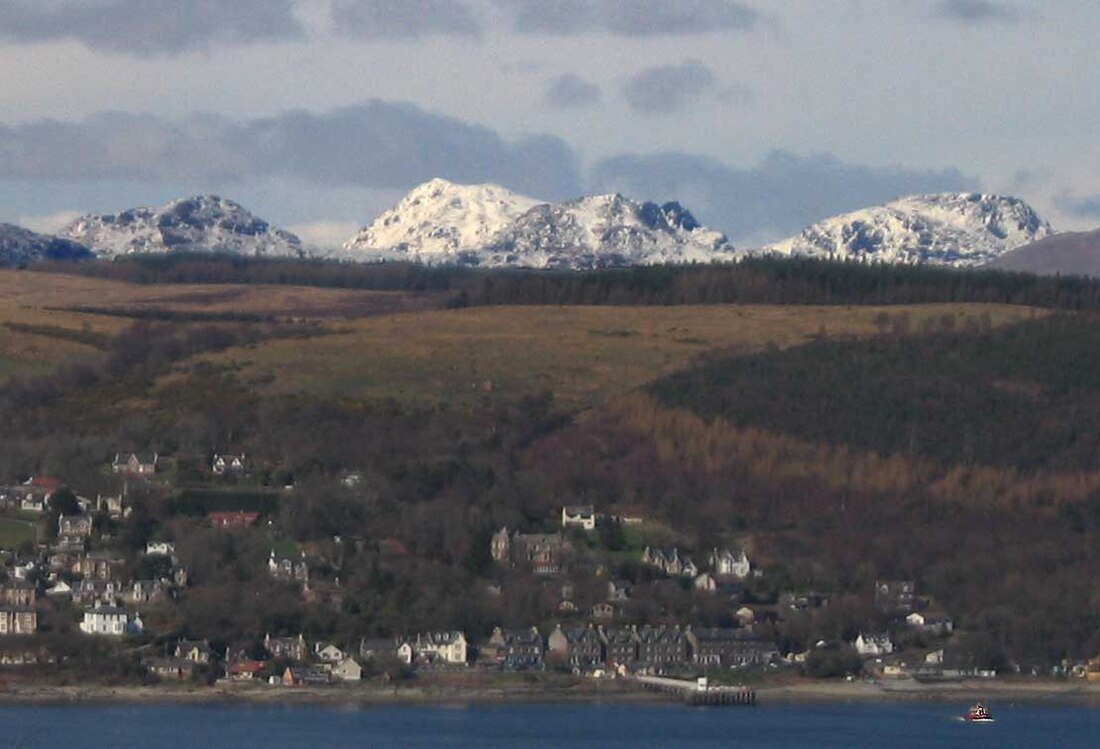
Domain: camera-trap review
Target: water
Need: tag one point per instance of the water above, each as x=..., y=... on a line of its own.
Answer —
x=603, y=726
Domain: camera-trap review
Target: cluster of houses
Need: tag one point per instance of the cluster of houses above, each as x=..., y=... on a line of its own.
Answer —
x=77, y=568
x=584, y=649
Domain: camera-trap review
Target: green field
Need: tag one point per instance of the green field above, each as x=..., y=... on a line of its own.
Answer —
x=14, y=533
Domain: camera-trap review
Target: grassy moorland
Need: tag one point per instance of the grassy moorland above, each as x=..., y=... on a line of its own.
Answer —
x=581, y=355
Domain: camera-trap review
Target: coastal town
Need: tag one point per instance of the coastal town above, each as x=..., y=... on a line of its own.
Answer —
x=98, y=569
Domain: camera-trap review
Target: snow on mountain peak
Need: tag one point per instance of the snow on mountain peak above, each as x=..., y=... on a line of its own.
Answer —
x=19, y=246
x=490, y=226
x=203, y=223
x=954, y=229
x=438, y=219
x=606, y=230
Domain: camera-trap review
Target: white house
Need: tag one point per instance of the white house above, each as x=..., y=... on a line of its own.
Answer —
x=932, y=623
x=579, y=516
x=110, y=620
x=33, y=503
x=226, y=465
x=874, y=645
x=160, y=548
x=329, y=653
x=135, y=464
x=405, y=653
x=448, y=647
x=727, y=563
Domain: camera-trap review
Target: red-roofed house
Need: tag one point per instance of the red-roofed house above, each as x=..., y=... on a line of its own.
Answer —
x=245, y=670
x=238, y=519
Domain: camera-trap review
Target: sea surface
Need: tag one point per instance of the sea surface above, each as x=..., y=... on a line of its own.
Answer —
x=894, y=726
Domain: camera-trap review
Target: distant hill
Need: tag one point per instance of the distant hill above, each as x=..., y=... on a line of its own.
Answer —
x=19, y=246
x=203, y=223
x=960, y=230
x=1070, y=254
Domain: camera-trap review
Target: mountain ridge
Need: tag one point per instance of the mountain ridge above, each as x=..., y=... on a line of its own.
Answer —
x=490, y=226
x=201, y=223
x=19, y=246
x=954, y=229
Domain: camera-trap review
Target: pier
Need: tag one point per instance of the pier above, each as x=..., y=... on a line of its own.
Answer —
x=699, y=691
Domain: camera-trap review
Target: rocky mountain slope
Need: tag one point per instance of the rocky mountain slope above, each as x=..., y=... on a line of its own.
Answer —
x=204, y=223
x=605, y=231
x=19, y=246
x=1069, y=254
x=953, y=229
x=489, y=226
x=438, y=220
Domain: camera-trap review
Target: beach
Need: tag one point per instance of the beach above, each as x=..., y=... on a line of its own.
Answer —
x=549, y=688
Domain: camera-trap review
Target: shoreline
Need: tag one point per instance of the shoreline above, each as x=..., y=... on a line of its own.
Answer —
x=565, y=691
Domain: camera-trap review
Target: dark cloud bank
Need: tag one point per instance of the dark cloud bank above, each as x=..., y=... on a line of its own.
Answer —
x=148, y=27
x=383, y=145
x=569, y=91
x=975, y=11
x=665, y=89
x=404, y=19
x=629, y=17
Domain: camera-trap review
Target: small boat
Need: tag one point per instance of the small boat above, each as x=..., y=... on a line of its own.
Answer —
x=978, y=714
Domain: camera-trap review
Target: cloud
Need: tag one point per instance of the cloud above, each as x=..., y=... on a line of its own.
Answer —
x=376, y=144
x=325, y=234
x=48, y=224
x=668, y=88
x=404, y=19
x=148, y=28
x=303, y=168
x=636, y=18
x=569, y=91
x=777, y=198
x=1086, y=207
x=975, y=11
x=117, y=146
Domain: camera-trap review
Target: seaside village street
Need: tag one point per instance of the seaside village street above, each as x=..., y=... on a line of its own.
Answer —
x=92, y=584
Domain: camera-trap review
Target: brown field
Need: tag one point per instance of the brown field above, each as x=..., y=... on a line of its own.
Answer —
x=41, y=299
x=581, y=354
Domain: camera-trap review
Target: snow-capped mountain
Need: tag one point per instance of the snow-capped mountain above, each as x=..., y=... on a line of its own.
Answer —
x=19, y=246
x=204, y=223
x=954, y=229
x=438, y=220
x=605, y=230
x=489, y=226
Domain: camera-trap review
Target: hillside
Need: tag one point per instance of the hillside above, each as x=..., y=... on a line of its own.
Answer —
x=951, y=444
x=1069, y=254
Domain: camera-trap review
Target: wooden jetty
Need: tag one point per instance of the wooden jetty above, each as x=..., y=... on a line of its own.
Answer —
x=699, y=692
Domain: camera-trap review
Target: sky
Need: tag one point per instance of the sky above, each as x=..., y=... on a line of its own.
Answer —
x=760, y=116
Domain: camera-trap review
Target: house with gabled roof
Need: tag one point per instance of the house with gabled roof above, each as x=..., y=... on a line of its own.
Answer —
x=662, y=647
x=580, y=647
x=195, y=651
x=517, y=649
x=293, y=648
x=729, y=563
x=135, y=464
x=579, y=516
x=229, y=464
x=449, y=647
x=874, y=644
